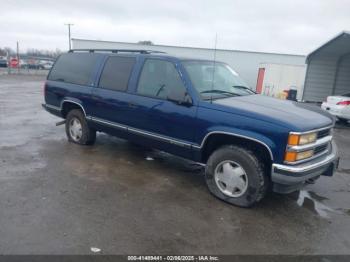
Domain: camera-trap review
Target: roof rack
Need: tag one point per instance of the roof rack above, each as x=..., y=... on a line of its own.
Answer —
x=116, y=51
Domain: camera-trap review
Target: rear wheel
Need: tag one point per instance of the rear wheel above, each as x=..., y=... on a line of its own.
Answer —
x=236, y=176
x=77, y=128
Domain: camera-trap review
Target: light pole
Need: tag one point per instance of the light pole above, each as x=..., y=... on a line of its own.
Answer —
x=69, y=25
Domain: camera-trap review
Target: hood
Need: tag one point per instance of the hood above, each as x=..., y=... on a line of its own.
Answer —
x=294, y=115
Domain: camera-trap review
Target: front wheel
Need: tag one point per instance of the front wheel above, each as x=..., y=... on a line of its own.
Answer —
x=236, y=176
x=77, y=128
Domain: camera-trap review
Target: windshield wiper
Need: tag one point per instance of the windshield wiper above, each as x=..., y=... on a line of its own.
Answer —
x=245, y=88
x=217, y=91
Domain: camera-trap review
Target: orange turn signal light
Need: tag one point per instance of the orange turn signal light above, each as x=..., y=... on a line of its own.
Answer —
x=293, y=140
x=290, y=156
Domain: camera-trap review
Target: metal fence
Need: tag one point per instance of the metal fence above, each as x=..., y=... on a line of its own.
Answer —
x=22, y=71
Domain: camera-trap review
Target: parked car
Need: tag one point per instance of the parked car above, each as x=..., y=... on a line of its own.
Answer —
x=338, y=106
x=3, y=61
x=198, y=110
x=28, y=64
x=31, y=64
x=46, y=65
x=23, y=63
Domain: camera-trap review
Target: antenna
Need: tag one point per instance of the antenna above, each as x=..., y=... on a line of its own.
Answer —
x=69, y=38
x=214, y=63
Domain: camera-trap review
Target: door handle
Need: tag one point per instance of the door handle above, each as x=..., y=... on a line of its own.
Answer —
x=132, y=105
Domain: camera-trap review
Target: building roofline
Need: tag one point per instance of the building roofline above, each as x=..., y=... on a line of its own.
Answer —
x=283, y=64
x=330, y=41
x=190, y=47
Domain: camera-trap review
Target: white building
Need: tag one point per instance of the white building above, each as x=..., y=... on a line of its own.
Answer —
x=280, y=77
x=245, y=63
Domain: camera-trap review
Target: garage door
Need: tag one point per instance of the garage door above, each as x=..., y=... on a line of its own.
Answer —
x=342, y=84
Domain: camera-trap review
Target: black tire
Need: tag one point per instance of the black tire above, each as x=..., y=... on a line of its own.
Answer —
x=88, y=135
x=257, y=180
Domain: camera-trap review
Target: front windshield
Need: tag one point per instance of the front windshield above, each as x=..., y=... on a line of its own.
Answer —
x=216, y=83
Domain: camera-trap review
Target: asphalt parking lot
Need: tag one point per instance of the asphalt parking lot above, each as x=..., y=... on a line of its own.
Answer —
x=61, y=198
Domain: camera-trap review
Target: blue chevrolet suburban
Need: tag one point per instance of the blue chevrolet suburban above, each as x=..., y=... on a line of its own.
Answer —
x=196, y=109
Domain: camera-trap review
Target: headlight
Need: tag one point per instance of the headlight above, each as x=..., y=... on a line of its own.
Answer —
x=296, y=156
x=294, y=150
x=309, y=138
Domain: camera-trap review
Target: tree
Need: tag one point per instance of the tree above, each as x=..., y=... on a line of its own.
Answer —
x=7, y=50
x=43, y=52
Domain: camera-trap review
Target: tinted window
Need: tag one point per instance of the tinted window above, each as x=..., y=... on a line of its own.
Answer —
x=158, y=78
x=215, y=79
x=116, y=73
x=75, y=68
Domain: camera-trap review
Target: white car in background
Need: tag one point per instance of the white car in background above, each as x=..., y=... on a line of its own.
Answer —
x=45, y=64
x=338, y=106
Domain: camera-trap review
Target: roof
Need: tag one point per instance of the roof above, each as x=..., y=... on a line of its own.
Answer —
x=337, y=46
x=137, y=46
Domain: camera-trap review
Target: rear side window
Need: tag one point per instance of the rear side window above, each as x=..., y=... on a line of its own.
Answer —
x=116, y=73
x=75, y=68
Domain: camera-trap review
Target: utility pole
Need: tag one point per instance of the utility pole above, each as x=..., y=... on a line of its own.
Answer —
x=17, y=54
x=69, y=39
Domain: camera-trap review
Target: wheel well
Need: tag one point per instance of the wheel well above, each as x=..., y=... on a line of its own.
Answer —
x=68, y=106
x=216, y=141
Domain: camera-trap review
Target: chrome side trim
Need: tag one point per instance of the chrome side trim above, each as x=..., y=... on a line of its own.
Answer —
x=106, y=122
x=156, y=136
x=140, y=132
x=312, y=131
x=307, y=167
x=317, y=143
x=236, y=135
x=70, y=101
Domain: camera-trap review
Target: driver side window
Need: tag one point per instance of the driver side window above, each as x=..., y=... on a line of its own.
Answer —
x=158, y=78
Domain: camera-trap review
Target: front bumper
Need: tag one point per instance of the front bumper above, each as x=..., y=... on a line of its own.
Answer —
x=287, y=178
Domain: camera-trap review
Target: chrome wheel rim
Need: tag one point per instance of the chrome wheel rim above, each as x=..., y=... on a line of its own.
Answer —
x=75, y=129
x=231, y=178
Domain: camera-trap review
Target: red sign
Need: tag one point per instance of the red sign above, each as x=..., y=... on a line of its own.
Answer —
x=14, y=62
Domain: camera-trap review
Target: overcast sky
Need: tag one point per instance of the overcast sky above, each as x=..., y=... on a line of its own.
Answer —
x=288, y=26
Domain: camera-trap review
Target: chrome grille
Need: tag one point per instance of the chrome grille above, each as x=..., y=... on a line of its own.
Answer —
x=321, y=149
x=323, y=133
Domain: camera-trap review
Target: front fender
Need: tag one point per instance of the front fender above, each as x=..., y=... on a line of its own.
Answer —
x=256, y=137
